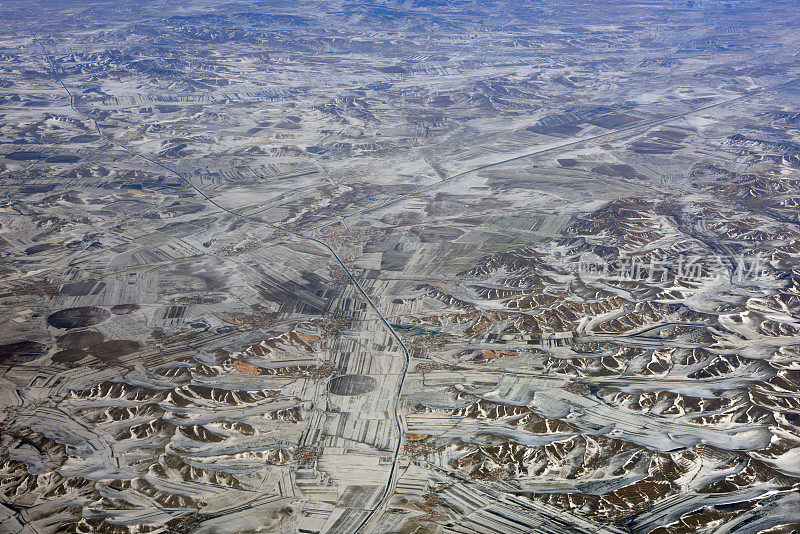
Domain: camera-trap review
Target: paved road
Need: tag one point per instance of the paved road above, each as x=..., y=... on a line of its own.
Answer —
x=406, y=353
x=574, y=142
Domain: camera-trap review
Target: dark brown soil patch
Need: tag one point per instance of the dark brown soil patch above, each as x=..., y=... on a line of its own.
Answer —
x=554, y=129
x=622, y=171
x=645, y=147
x=124, y=309
x=21, y=352
x=24, y=155
x=36, y=249
x=69, y=356
x=83, y=288
x=613, y=121
x=660, y=142
x=84, y=138
x=352, y=385
x=64, y=158
x=392, y=69
x=431, y=234
x=287, y=125
x=80, y=339
x=110, y=350
x=34, y=189
x=78, y=317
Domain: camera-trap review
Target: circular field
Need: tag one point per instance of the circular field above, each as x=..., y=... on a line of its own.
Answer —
x=78, y=317
x=352, y=385
x=69, y=356
x=111, y=350
x=80, y=339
